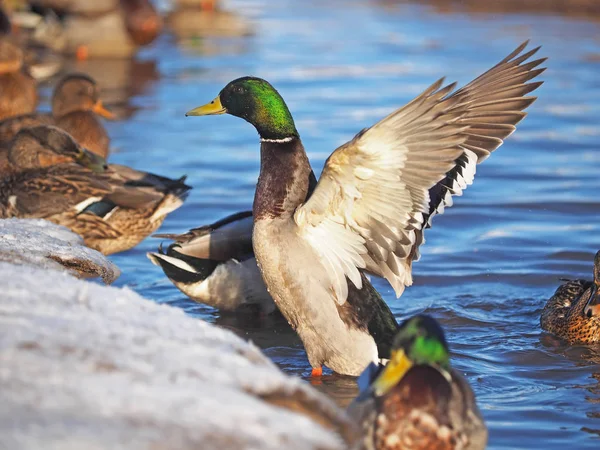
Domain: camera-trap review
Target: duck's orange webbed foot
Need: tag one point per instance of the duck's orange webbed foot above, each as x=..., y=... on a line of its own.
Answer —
x=316, y=372
x=82, y=53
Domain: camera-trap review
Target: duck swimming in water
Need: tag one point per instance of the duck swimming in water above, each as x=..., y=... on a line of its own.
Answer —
x=418, y=401
x=377, y=193
x=573, y=312
x=76, y=107
x=215, y=265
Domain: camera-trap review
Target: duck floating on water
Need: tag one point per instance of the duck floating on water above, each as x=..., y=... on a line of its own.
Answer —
x=418, y=401
x=17, y=88
x=105, y=28
x=573, y=312
x=76, y=106
x=215, y=265
x=314, y=241
x=112, y=207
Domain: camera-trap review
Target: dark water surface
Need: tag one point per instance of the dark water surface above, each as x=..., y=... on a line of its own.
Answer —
x=489, y=263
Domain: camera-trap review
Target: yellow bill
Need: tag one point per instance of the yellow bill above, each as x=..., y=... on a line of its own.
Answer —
x=391, y=375
x=92, y=161
x=102, y=111
x=210, y=109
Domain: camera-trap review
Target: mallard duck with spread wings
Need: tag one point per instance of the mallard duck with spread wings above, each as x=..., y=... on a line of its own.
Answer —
x=314, y=241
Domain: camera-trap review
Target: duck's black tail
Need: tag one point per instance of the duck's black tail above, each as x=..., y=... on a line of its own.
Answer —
x=182, y=268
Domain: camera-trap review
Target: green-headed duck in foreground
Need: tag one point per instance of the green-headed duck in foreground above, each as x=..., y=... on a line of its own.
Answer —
x=418, y=401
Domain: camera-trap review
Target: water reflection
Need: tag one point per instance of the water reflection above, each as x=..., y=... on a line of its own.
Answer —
x=587, y=388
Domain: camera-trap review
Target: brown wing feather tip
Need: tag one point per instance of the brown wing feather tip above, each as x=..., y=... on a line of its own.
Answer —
x=449, y=88
x=525, y=56
x=512, y=54
x=537, y=62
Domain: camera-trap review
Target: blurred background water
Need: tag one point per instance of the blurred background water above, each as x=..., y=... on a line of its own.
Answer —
x=490, y=262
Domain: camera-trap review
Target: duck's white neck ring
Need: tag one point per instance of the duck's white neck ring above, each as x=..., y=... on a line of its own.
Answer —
x=277, y=141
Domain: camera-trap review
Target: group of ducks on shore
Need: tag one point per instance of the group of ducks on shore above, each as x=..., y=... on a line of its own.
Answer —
x=307, y=246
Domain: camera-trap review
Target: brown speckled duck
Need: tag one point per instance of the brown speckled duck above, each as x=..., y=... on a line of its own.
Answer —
x=573, y=312
x=40, y=148
x=17, y=89
x=136, y=208
x=113, y=209
x=418, y=401
x=76, y=106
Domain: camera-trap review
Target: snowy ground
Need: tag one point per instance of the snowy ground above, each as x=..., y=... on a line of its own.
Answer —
x=96, y=367
x=41, y=243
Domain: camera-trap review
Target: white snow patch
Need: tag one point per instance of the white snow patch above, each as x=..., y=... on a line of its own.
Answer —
x=44, y=244
x=96, y=367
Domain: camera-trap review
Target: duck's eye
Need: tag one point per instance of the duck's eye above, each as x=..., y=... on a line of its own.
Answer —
x=238, y=90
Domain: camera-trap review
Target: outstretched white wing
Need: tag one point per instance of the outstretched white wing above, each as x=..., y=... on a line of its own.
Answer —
x=378, y=191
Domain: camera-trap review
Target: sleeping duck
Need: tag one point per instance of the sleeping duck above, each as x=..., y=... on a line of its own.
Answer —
x=377, y=193
x=418, y=401
x=38, y=149
x=573, y=312
x=113, y=210
x=215, y=265
x=76, y=106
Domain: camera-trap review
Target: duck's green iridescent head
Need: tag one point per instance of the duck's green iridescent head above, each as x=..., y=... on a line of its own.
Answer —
x=256, y=101
x=419, y=341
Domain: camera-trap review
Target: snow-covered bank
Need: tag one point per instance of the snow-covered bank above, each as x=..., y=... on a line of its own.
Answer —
x=38, y=242
x=95, y=367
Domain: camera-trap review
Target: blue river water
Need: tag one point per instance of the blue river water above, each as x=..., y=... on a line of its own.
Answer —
x=489, y=263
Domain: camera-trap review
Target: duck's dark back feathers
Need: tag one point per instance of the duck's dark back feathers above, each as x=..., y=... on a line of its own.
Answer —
x=366, y=310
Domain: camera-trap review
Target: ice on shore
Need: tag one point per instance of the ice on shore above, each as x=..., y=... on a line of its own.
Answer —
x=40, y=243
x=96, y=367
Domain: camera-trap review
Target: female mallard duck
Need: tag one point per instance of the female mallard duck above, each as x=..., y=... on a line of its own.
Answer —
x=136, y=208
x=40, y=148
x=573, y=312
x=215, y=264
x=76, y=106
x=113, y=210
x=17, y=89
x=376, y=195
x=418, y=401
